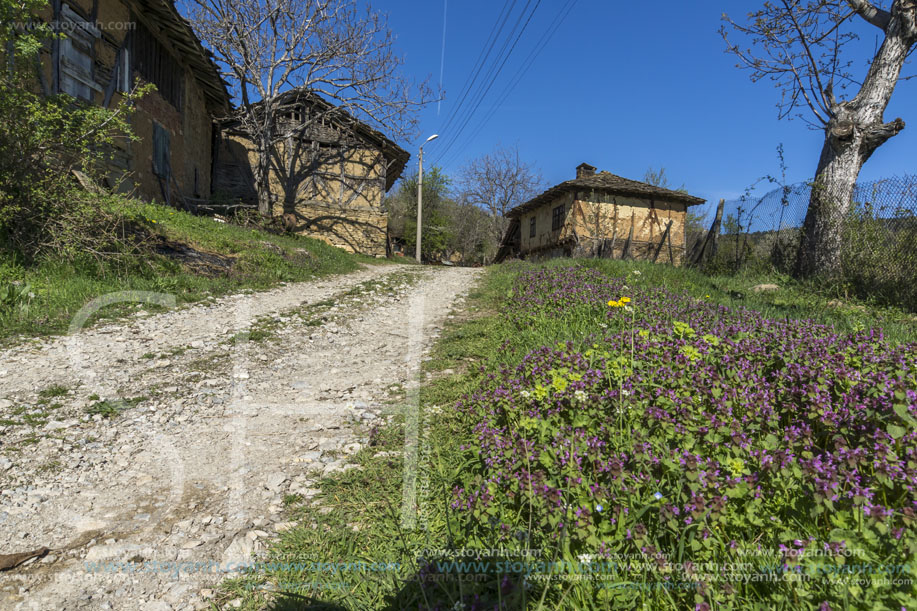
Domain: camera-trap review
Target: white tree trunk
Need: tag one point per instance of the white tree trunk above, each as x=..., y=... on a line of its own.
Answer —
x=854, y=131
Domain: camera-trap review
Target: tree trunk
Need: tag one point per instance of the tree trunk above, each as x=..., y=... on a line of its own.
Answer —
x=829, y=203
x=854, y=131
x=263, y=183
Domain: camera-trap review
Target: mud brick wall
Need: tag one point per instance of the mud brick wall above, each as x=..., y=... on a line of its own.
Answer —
x=361, y=231
x=593, y=221
x=190, y=135
x=334, y=192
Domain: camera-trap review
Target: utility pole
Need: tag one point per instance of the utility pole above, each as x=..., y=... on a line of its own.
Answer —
x=420, y=193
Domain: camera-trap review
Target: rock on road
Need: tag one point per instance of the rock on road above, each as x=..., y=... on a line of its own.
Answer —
x=222, y=426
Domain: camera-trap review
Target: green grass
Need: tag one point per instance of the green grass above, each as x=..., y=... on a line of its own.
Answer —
x=254, y=260
x=365, y=524
x=53, y=391
x=113, y=407
x=792, y=300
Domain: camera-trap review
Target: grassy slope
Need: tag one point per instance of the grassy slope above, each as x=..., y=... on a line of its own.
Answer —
x=258, y=260
x=366, y=522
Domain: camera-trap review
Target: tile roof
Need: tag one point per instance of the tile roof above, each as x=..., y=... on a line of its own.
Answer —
x=608, y=183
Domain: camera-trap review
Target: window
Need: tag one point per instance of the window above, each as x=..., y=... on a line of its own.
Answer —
x=156, y=66
x=75, y=62
x=557, y=217
x=125, y=82
x=162, y=157
x=532, y=227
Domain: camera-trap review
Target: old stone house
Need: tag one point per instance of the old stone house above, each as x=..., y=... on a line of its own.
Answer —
x=329, y=172
x=600, y=214
x=106, y=47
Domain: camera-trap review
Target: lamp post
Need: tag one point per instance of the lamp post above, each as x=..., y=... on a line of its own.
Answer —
x=420, y=192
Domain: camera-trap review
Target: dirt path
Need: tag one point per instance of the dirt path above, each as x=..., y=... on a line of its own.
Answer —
x=135, y=449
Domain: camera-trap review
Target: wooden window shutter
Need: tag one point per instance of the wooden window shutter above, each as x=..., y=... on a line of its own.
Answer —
x=162, y=163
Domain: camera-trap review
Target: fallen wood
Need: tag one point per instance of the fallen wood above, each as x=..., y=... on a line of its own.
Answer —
x=11, y=561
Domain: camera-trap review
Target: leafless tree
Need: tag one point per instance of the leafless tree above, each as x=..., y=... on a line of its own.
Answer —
x=800, y=45
x=497, y=182
x=334, y=49
x=470, y=233
x=658, y=178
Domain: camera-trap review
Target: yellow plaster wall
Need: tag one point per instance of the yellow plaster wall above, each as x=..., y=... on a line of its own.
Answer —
x=597, y=220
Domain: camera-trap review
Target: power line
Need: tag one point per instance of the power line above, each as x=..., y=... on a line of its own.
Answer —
x=524, y=68
x=494, y=72
x=495, y=31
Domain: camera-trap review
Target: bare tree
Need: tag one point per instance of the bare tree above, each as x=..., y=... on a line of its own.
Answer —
x=470, y=231
x=800, y=44
x=497, y=182
x=658, y=178
x=328, y=48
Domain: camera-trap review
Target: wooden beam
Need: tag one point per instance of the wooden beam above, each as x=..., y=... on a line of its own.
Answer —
x=630, y=236
x=665, y=235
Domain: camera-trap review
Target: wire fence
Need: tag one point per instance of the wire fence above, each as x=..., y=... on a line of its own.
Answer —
x=879, y=256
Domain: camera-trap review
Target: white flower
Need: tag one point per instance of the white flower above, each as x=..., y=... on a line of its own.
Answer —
x=585, y=557
x=580, y=395
x=625, y=392
x=525, y=394
x=627, y=308
x=636, y=272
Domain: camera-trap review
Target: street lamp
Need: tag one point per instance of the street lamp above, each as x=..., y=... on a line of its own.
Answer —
x=420, y=192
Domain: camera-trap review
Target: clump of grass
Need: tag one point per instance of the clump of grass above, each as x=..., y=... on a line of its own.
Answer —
x=113, y=407
x=53, y=391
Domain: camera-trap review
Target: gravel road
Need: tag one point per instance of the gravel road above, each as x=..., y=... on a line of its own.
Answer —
x=169, y=440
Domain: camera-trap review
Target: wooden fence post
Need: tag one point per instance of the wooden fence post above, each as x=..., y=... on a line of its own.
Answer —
x=710, y=240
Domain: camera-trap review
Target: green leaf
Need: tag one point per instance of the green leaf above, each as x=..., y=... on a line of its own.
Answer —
x=904, y=414
x=897, y=432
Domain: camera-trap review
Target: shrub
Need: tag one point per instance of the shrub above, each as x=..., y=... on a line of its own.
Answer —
x=43, y=208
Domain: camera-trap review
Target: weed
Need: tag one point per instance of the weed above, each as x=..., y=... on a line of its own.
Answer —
x=289, y=500
x=53, y=391
x=113, y=407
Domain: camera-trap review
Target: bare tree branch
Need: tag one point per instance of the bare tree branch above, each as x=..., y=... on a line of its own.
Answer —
x=498, y=182
x=799, y=45
x=872, y=14
x=336, y=49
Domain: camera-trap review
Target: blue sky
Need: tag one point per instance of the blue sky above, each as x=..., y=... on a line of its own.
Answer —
x=624, y=87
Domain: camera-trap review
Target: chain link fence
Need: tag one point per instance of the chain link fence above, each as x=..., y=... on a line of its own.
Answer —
x=879, y=259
